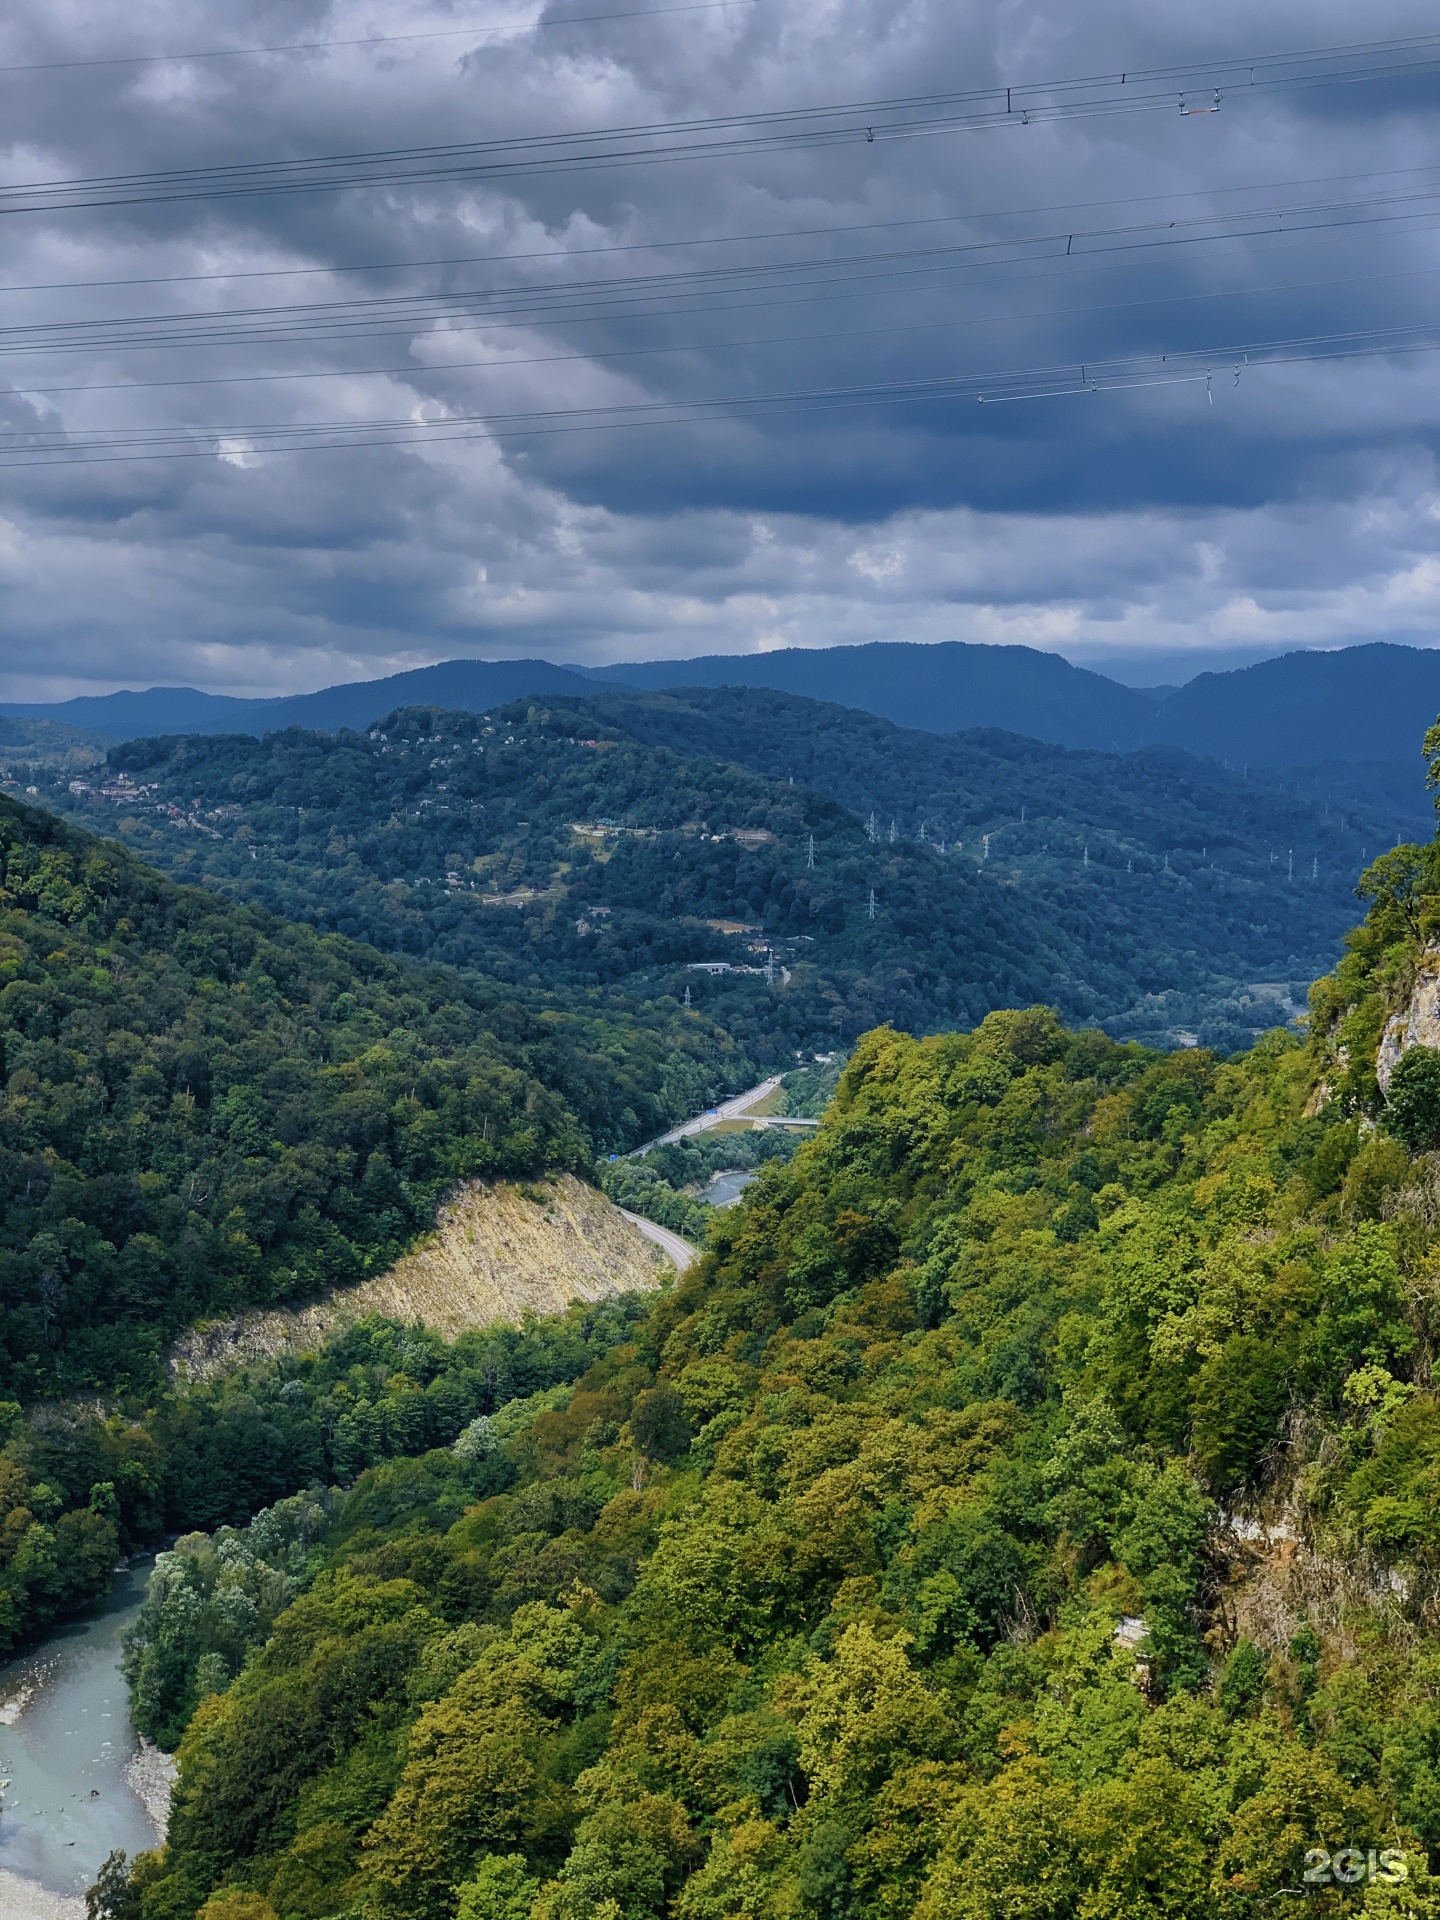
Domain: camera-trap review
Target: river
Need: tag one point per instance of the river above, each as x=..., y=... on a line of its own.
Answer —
x=725, y=1188
x=69, y=1755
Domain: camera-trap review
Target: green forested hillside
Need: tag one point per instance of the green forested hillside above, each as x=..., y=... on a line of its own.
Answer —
x=204, y=1107
x=1146, y=891
x=1025, y=1509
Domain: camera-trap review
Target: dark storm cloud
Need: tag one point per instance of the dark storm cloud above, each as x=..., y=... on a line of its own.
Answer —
x=1298, y=506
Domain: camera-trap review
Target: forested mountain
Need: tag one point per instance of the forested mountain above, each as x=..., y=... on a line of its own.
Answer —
x=945, y=687
x=609, y=843
x=1358, y=707
x=1026, y=1507
x=1366, y=703
x=205, y=1107
x=452, y=683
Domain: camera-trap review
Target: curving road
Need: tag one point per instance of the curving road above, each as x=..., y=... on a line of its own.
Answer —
x=678, y=1251
x=731, y=1109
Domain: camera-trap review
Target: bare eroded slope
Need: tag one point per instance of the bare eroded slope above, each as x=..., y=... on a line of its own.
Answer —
x=495, y=1254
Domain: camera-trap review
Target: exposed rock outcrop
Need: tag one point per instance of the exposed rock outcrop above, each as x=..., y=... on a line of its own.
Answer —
x=1417, y=1024
x=498, y=1252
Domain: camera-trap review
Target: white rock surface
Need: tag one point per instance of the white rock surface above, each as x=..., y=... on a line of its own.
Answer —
x=1418, y=1022
x=151, y=1774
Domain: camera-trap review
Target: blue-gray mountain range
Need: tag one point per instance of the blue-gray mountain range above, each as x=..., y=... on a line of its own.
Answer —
x=1357, y=704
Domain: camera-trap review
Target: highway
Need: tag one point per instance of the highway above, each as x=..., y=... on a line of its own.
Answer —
x=676, y=1250
x=732, y=1109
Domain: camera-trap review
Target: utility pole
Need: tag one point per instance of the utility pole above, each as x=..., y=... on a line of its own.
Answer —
x=810, y=855
x=871, y=914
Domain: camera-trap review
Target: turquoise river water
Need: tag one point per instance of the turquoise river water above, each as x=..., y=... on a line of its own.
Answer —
x=67, y=1754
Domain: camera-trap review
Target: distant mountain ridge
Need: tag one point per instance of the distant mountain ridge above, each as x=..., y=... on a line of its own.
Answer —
x=470, y=684
x=1357, y=704
x=945, y=688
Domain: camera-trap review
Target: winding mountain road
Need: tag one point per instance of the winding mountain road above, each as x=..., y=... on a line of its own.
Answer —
x=679, y=1251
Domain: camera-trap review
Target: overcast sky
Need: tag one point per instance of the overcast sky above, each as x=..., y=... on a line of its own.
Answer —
x=1152, y=531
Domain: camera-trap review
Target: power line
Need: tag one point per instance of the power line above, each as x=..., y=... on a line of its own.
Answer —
x=920, y=116
x=712, y=240
x=289, y=320
x=415, y=369
x=709, y=240
x=369, y=40
x=1040, y=383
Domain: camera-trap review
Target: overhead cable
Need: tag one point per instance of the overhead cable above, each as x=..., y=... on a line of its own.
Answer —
x=367, y=40
x=13, y=288
x=1066, y=379
x=1186, y=88
x=416, y=370
x=340, y=319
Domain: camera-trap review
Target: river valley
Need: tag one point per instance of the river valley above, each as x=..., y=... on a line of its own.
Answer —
x=69, y=1754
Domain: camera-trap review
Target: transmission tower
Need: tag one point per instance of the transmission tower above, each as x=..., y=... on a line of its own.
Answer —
x=923, y=832
x=687, y=996
x=985, y=843
x=1085, y=857
x=871, y=831
x=810, y=855
x=892, y=833
x=1290, y=868
x=870, y=915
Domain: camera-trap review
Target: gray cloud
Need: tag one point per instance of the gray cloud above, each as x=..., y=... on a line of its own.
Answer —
x=1297, y=507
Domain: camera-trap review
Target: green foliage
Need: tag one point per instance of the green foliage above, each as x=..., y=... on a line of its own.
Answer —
x=597, y=846
x=204, y=1108
x=500, y=1889
x=664, y=1183
x=873, y=1570
x=1412, y=1100
x=888, y=1566
x=209, y=1601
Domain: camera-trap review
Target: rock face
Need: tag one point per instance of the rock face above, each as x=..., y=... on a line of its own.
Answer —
x=1418, y=1022
x=496, y=1254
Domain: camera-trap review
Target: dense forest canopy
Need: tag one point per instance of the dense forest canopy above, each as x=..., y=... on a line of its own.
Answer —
x=83, y=1481
x=608, y=843
x=206, y=1108
x=1025, y=1508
